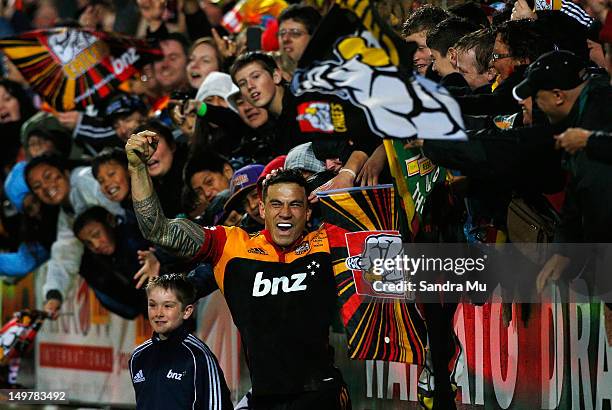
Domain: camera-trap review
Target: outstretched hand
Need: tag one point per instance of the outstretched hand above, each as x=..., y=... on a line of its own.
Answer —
x=52, y=307
x=371, y=170
x=227, y=47
x=521, y=10
x=552, y=271
x=150, y=267
x=572, y=139
x=340, y=181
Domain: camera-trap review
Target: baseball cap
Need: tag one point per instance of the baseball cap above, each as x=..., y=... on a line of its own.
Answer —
x=243, y=179
x=216, y=83
x=124, y=104
x=302, y=157
x=556, y=69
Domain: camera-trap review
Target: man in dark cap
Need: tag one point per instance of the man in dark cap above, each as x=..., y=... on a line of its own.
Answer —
x=126, y=112
x=561, y=87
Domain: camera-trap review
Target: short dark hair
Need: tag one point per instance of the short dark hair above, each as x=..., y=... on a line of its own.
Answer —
x=284, y=176
x=108, y=154
x=93, y=214
x=54, y=160
x=306, y=15
x=158, y=127
x=176, y=283
x=266, y=61
x=425, y=18
x=178, y=37
x=203, y=161
x=470, y=11
x=445, y=34
x=523, y=39
x=482, y=42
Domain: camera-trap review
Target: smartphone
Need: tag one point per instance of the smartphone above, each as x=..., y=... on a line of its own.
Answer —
x=253, y=38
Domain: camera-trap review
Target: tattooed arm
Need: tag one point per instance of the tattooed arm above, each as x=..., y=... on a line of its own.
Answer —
x=177, y=235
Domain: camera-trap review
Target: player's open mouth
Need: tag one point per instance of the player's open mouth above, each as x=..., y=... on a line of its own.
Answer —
x=284, y=226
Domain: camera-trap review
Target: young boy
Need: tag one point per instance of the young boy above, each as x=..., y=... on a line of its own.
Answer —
x=174, y=369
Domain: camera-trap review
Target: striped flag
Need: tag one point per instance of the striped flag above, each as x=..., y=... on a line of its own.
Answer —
x=568, y=7
x=379, y=326
x=72, y=68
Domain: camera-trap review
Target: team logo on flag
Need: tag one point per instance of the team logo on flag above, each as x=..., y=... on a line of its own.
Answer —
x=67, y=45
x=363, y=74
x=319, y=116
x=367, y=252
x=73, y=68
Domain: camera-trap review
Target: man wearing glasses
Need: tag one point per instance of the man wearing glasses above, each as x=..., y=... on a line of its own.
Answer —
x=517, y=44
x=295, y=27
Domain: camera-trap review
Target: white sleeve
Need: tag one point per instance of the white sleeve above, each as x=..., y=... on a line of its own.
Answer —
x=66, y=253
x=85, y=192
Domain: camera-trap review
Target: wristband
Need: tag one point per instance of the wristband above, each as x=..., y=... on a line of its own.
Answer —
x=350, y=171
x=202, y=110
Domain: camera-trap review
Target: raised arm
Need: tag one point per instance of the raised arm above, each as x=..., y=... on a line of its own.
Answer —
x=180, y=236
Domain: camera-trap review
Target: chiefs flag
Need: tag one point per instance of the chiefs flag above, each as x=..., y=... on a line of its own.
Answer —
x=357, y=57
x=363, y=224
x=72, y=68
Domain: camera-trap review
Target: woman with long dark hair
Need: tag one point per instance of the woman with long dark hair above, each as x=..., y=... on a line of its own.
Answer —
x=15, y=108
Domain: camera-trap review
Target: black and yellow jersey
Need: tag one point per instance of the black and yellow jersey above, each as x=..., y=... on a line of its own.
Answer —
x=282, y=302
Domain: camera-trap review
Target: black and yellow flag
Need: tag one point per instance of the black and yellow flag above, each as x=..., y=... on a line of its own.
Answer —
x=356, y=56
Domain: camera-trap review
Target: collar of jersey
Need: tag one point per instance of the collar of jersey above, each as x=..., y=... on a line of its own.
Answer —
x=176, y=335
x=280, y=251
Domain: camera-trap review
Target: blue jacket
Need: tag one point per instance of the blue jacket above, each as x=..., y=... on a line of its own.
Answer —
x=178, y=373
x=27, y=258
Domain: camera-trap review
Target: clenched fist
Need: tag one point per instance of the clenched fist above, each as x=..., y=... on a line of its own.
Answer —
x=140, y=148
x=379, y=248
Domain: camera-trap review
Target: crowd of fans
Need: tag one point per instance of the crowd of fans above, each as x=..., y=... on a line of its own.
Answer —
x=533, y=87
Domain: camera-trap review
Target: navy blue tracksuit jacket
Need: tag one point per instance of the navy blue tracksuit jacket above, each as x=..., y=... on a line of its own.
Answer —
x=178, y=373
